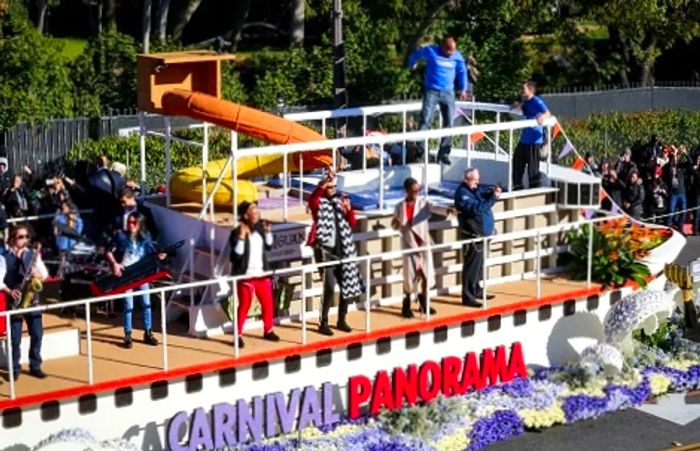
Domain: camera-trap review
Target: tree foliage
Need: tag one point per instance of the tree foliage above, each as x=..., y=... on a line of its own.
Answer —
x=34, y=80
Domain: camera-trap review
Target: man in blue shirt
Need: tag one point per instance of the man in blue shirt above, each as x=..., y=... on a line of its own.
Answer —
x=474, y=203
x=527, y=153
x=445, y=69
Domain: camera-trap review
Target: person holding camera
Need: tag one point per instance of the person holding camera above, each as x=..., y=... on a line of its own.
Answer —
x=250, y=243
x=474, y=204
x=675, y=173
x=331, y=237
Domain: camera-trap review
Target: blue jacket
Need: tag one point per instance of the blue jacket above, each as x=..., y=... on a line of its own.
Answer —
x=474, y=206
x=441, y=72
x=531, y=109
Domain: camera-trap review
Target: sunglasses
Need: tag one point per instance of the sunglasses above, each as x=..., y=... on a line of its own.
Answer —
x=132, y=222
x=22, y=237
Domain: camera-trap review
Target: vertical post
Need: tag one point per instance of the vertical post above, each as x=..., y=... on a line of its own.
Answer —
x=191, y=268
x=234, y=176
x=340, y=94
x=142, y=149
x=404, y=151
x=168, y=163
x=364, y=147
x=301, y=179
x=381, y=178
x=368, y=293
x=285, y=188
x=469, y=150
x=510, y=160
x=538, y=265
x=205, y=160
x=10, y=365
x=428, y=275
x=236, y=332
x=549, y=152
x=425, y=167
x=323, y=126
x=303, y=306
x=164, y=331
x=589, y=269
x=91, y=379
x=498, y=136
x=485, y=269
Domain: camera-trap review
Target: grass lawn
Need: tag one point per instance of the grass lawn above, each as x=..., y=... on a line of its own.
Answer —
x=72, y=47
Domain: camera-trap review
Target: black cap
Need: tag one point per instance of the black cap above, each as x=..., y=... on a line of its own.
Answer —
x=243, y=208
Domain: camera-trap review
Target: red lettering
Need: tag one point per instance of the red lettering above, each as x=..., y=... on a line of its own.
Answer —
x=516, y=364
x=493, y=367
x=405, y=386
x=451, y=368
x=471, y=378
x=359, y=389
x=429, y=381
x=381, y=395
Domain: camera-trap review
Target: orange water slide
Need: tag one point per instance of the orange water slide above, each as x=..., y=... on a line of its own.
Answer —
x=251, y=122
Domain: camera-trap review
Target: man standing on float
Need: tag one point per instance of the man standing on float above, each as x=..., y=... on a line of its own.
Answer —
x=445, y=68
x=474, y=203
x=527, y=153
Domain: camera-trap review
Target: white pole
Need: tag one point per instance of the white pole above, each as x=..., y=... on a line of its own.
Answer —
x=368, y=293
x=301, y=180
x=236, y=332
x=286, y=187
x=485, y=245
x=364, y=148
x=510, y=160
x=91, y=378
x=205, y=160
x=191, y=260
x=142, y=150
x=323, y=126
x=303, y=306
x=168, y=163
x=164, y=330
x=234, y=176
x=425, y=167
x=549, y=153
x=381, y=177
x=538, y=241
x=10, y=365
x=498, y=136
x=469, y=151
x=428, y=275
x=404, y=151
x=589, y=272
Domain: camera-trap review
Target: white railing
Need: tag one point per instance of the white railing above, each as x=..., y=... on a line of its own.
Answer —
x=231, y=281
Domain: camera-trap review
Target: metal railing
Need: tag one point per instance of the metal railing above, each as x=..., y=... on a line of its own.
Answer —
x=231, y=281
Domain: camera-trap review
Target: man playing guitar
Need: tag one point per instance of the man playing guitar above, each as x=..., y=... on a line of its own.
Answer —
x=14, y=266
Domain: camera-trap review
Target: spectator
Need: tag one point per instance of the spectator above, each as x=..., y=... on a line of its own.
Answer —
x=613, y=187
x=674, y=174
x=695, y=183
x=633, y=196
x=5, y=176
x=129, y=204
x=625, y=166
x=591, y=165
x=103, y=191
x=67, y=224
x=658, y=199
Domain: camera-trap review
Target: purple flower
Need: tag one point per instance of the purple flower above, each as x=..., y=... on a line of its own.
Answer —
x=501, y=425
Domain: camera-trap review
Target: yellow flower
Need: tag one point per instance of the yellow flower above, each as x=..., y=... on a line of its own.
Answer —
x=539, y=419
x=457, y=441
x=659, y=384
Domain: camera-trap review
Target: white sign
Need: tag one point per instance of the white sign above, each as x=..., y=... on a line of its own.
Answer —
x=289, y=244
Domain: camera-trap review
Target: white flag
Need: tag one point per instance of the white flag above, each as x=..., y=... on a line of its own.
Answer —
x=568, y=148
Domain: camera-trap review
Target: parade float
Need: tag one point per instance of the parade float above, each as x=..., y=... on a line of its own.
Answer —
x=559, y=342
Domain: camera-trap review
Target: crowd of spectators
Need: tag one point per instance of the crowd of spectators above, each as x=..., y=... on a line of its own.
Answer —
x=653, y=181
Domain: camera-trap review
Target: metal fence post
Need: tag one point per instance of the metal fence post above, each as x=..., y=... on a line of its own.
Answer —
x=236, y=332
x=164, y=331
x=589, y=270
x=10, y=363
x=303, y=306
x=91, y=379
x=538, y=241
x=368, y=293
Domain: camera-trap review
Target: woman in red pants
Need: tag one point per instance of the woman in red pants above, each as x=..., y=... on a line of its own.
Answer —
x=249, y=243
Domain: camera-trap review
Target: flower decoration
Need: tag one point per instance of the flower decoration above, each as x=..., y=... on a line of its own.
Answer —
x=603, y=356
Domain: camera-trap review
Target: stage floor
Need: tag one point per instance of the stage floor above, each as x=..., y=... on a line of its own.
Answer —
x=114, y=364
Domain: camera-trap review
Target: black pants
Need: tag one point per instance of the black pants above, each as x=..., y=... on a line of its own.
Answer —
x=472, y=271
x=331, y=275
x=526, y=155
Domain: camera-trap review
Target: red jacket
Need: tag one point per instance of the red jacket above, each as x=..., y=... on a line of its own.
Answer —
x=314, y=203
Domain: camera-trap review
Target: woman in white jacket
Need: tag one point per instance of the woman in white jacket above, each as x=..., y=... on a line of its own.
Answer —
x=411, y=218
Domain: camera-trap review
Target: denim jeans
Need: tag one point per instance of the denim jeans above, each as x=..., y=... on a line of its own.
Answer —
x=36, y=333
x=145, y=306
x=446, y=101
x=677, y=203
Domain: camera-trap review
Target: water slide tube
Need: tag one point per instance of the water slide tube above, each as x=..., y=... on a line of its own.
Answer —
x=187, y=183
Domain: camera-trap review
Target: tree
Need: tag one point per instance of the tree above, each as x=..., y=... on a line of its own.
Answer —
x=184, y=18
x=163, y=11
x=296, y=23
x=146, y=37
x=34, y=78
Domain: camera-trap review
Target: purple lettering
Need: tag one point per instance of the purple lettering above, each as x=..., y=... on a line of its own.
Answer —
x=174, y=428
x=250, y=424
x=310, y=409
x=330, y=416
x=200, y=431
x=224, y=420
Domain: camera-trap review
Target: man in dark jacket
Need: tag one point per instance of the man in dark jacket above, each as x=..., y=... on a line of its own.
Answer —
x=633, y=196
x=674, y=175
x=474, y=204
x=130, y=203
x=249, y=244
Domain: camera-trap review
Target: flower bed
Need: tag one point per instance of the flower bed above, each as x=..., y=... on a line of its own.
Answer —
x=661, y=363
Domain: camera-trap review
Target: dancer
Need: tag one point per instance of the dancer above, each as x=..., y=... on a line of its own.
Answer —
x=249, y=243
